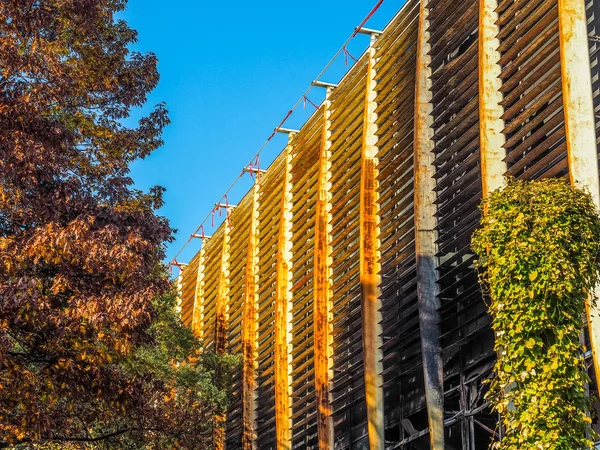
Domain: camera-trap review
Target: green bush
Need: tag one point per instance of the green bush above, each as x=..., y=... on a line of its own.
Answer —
x=538, y=253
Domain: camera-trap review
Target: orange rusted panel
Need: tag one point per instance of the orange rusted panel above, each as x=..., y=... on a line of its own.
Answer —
x=369, y=263
x=249, y=333
x=322, y=289
x=221, y=325
x=491, y=137
x=426, y=236
x=198, y=313
x=580, y=123
x=222, y=297
x=283, y=422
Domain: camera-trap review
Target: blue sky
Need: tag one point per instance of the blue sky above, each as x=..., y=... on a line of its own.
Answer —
x=229, y=73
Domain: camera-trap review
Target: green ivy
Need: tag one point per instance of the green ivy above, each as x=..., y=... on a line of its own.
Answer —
x=538, y=253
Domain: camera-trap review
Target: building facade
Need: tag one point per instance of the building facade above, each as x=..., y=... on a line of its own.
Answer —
x=345, y=277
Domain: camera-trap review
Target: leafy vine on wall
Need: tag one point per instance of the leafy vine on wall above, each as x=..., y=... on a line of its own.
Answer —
x=538, y=250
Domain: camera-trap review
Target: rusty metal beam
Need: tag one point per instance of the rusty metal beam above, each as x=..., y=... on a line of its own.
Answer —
x=179, y=284
x=322, y=287
x=283, y=418
x=426, y=236
x=221, y=325
x=222, y=297
x=249, y=345
x=577, y=96
x=580, y=122
x=491, y=138
x=198, y=312
x=369, y=262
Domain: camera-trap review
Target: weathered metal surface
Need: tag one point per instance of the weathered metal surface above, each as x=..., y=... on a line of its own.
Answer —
x=402, y=377
x=283, y=422
x=240, y=224
x=369, y=261
x=269, y=214
x=322, y=286
x=187, y=289
x=212, y=280
x=198, y=310
x=222, y=297
x=531, y=84
x=491, y=138
x=249, y=345
x=426, y=235
x=220, y=345
x=304, y=173
x=580, y=124
x=348, y=382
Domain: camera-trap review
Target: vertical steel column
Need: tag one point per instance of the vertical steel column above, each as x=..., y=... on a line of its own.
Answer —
x=369, y=262
x=249, y=344
x=283, y=289
x=322, y=286
x=221, y=324
x=179, y=284
x=426, y=236
x=579, y=121
x=198, y=312
x=222, y=296
x=491, y=124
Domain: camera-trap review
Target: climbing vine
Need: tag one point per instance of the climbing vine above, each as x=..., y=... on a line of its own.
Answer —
x=538, y=253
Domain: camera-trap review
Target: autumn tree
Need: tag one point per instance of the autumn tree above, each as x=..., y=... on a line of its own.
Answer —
x=80, y=249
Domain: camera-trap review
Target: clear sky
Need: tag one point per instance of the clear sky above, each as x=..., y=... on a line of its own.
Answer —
x=230, y=71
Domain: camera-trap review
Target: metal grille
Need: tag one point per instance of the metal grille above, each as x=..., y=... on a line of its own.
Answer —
x=212, y=263
x=305, y=165
x=404, y=392
x=347, y=106
x=187, y=294
x=531, y=83
x=269, y=217
x=238, y=253
x=467, y=339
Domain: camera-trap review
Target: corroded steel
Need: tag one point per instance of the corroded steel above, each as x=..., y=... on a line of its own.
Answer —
x=249, y=332
x=531, y=84
x=491, y=138
x=221, y=326
x=179, y=284
x=304, y=187
x=222, y=297
x=187, y=280
x=239, y=221
x=213, y=282
x=426, y=236
x=369, y=261
x=402, y=378
x=283, y=421
x=198, y=311
x=348, y=381
x=579, y=123
x=269, y=214
x=322, y=287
